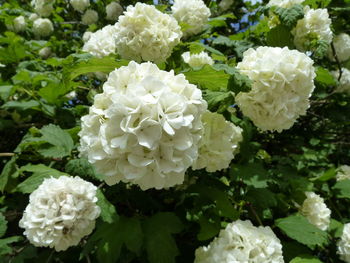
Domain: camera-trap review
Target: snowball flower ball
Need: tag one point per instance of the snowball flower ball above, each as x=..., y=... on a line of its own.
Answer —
x=89, y=17
x=87, y=36
x=285, y=3
x=197, y=60
x=316, y=211
x=242, y=242
x=341, y=44
x=282, y=84
x=344, y=83
x=18, y=24
x=344, y=244
x=194, y=13
x=45, y=52
x=43, y=7
x=42, y=27
x=144, y=128
x=80, y=5
x=219, y=143
x=113, y=11
x=33, y=16
x=102, y=42
x=316, y=24
x=146, y=34
x=225, y=4
x=343, y=173
x=60, y=213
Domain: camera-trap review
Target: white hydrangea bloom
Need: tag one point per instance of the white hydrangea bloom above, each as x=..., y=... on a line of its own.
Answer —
x=45, y=52
x=341, y=44
x=42, y=27
x=18, y=24
x=285, y=3
x=219, y=143
x=197, y=60
x=343, y=173
x=33, y=17
x=43, y=7
x=316, y=24
x=144, y=128
x=102, y=42
x=60, y=212
x=89, y=17
x=242, y=242
x=113, y=11
x=80, y=5
x=344, y=83
x=225, y=4
x=316, y=211
x=145, y=33
x=87, y=36
x=194, y=13
x=282, y=84
x=344, y=244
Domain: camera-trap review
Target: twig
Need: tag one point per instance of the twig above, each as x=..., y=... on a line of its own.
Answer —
x=337, y=60
x=6, y=154
x=255, y=213
x=49, y=258
x=101, y=185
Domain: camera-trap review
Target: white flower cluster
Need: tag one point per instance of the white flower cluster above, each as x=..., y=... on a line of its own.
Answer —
x=225, y=4
x=18, y=24
x=282, y=84
x=102, y=42
x=219, y=143
x=60, y=212
x=197, y=60
x=43, y=7
x=194, y=13
x=42, y=27
x=113, y=11
x=344, y=83
x=343, y=173
x=341, y=44
x=144, y=128
x=285, y=3
x=316, y=211
x=80, y=5
x=242, y=242
x=86, y=36
x=45, y=52
x=89, y=17
x=344, y=244
x=316, y=24
x=146, y=34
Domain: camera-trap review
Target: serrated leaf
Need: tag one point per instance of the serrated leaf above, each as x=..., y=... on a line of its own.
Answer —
x=7, y=171
x=290, y=16
x=108, y=211
x=342, y=189
x=3, y=225
x=253, y=174
x=298, y=228
x=40, y=172
x=279, y=36
x=320, y=48
x=4, y=248
x=160, y=245
x=82, y=168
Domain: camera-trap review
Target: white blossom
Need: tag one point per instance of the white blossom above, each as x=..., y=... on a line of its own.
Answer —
x=316, y=24
x=219, y=143
x=43, y=7
x=341, y=44
x=113, y=11
x=344, y=244
x=146, y=34
x=197, y=60
x=18, y=24
x=282, y=84
x=194, y=13
x=60, y=212
x=89, y=17
x=285, y=3
x=344, y=83
x=225, y=4
x=144, y=128
x=42, y=27
x=102, y=42
x=316, y=211
x=80, y=5
x=86, y=36
x=242, y=242
x=33, y=17
x=343, y=173
x=45, y=52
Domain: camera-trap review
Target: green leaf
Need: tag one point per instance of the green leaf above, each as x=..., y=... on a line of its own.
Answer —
x=217, y=100
x=327, y=175
x=320, y=48
x=9, y=168
x=279, y=36
x=4, y=248
x=208, y=228
x=253, y=174
x=40, y=172
x=160, y=245
x=108, y=211
x=209, y=78
x=342, y=189
x=336, y=228
x=305, y=259
x=298, y=228
x=324, y=77
x=82, y=168
x=21, y=105
x=61, y=143
x=290, y=16
x=3, y=225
